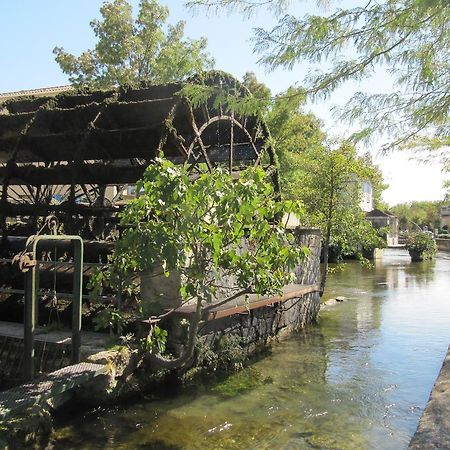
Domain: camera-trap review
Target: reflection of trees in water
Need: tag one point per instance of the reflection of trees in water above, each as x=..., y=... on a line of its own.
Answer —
x=388, y=276
x=351, y=331
x=407, y=274
x=420, y=273
x=362, y=309
x=400, y=272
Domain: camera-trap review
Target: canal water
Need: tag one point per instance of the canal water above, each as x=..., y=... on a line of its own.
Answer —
x=358, y=380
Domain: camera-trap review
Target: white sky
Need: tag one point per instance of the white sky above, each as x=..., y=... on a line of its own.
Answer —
x=30, y=29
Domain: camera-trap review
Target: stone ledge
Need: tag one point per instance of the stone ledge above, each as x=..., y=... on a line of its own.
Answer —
x=433, y=431
x=55, y=383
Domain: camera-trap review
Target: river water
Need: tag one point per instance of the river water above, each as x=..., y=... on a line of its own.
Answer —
x=358, y=380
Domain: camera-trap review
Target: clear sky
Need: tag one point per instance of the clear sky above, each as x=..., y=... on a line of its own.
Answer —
x=30, y=29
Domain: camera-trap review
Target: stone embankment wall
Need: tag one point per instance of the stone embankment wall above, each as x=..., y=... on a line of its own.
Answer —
x=443, y=245
x=308, y=271
x=251, y=331
x=433, y=432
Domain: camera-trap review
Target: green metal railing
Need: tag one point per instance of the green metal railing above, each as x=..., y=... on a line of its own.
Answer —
x=30, y=265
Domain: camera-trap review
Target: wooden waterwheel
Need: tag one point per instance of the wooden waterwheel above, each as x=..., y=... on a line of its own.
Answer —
x=77, y=155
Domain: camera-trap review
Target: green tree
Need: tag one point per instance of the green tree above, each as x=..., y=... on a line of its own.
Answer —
x=130, y=50
x=256, y=88
x=294, y=133
x=329, y=183
x=327, y=180
x=210, y=231
x=418, y=214
x=408, y=37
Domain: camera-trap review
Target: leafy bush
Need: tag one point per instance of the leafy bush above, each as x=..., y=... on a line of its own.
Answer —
x=420, y=246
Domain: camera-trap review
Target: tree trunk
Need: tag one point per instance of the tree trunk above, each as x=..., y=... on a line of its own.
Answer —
x=160, y=362
x=326, y=247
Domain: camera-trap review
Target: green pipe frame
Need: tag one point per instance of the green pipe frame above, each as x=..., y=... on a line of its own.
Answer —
x=31, y=294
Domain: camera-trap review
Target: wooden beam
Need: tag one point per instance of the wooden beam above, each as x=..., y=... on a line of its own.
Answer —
x=239, y=305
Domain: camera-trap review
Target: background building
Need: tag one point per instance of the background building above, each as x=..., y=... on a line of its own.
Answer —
x=380, y=219
x=445, y=216
x=367, y=198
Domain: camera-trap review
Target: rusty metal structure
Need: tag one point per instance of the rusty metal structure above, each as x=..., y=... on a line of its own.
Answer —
x=75, y=155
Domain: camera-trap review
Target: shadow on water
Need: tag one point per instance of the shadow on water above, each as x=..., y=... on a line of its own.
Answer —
x=357, y=380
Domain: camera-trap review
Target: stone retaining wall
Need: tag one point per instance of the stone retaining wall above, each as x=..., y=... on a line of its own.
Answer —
x=433, y=432
x=247, y=333
x=443, y=245
x=256, y=327
x=251, y=332
x=308, y=271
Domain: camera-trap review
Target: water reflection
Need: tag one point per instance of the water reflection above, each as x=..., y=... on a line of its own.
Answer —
x=359, y=379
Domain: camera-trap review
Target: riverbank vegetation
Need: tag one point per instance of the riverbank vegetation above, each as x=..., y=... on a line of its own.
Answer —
x=326, y=176
x=421, y=246
x=418, y=214
x=210, y=240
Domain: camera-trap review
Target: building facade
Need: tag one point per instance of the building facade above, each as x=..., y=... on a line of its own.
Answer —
x=380, y=219
x=445, y=216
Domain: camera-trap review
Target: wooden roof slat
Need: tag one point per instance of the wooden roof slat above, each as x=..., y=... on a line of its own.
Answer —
x=148, y=113
x=101, y=144
x=11, y=125
x=100, y=173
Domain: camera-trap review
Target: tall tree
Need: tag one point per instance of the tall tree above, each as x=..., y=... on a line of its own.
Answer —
x=130, y=50
x=329, y=184
x=294, y=134
x=408, y=37
x=256, y=88
x=326, y=178
x=418, y=214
